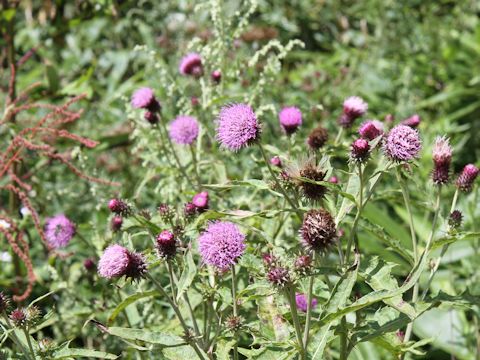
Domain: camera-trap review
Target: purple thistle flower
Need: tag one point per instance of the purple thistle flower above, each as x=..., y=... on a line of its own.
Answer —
x=467, y=177
x=216, y=76
x=237, y=126
x=144, y=98
x=200, y=201
x=403, y=143
x=118, y=261
x=290, y=119
x=371, y=129
x=442, y=157
x=302, y=302
x=353, y=108
x=276, y=161
x=221, y=244
x=360, y=150
x=191, y=64
x=413, y=121
x=184, y=130
x=59, y=230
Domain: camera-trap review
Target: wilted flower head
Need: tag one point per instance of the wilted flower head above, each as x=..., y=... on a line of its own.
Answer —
x=353, y=108
x=191, y=64
x=371, y=129
x=237, y=126
x=455, y=219
x=118, y=261
x=318, y=230
x=59, y=230
x=403, y=143
x=221, y=244
x=467, y=177
x=144, y=98
x=308, y=170
x=413, y=121
x=442, y=157
x=360, y=150
x=317, y=138
x=278, y=276
x=184, y=130
x=290, y=119
x=200, y=201
x=302, y=302
x=166, y=244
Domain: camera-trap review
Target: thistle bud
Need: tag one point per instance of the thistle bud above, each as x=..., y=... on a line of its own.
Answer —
x=18, y=317
x=89, y=264
x=234, y=323
x=360, y=150
x=151, y=117
x=200, y=200
x=275, y=161
x=116, y=223
x=166, y=244
x=279, y=276
x=216, y=76
x=4, y=302
x=442, y=157
x=303, y=265
x=269, y=260
x=119, y=207
x=166, y=213
x=466, y=179
x=455, y=219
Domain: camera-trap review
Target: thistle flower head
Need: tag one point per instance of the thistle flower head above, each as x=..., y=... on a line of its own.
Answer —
x=144, y=98
x=269, y=260
x=290, y=119
x=191, y=64
x=371, y=129
x=353, y=108
x=302, y=302
x=317, y=138
x=467, y=177
x=318, y=230
x=221, y=244
x=59, y=230
x=455, y=219
x=360, y=150
x=308, y=170
x=189, y=209
x=200, y=201
x=118, y=261
x=89, y=264
x=119, y=207
x=278, y=276
x=276, y=161
x=166, y=244
x=116, y=223
x=18, y=317
x=166, y=212
x=216, y=76
x=403, y=143
x=442, y=157
x=184, y=130
x=413, y=121
x=237, y=126
x=303, y=264
x=234, y=323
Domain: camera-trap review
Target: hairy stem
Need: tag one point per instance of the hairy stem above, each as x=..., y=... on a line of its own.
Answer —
x=309, y=308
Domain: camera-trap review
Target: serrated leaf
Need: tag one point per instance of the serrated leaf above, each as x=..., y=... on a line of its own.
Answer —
x=76, y=353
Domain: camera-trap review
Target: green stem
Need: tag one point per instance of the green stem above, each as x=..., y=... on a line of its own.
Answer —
x=292, y=204
x=406, y=200
x=445, y=247
x=29, y=342
x=290, y=293
x=172, y=282
x=235, y=309
x=360, y=205
x=343, y=339
x=339, y=136
x=309, y=308
x=195, y=167
x=175, y=308
x=14, y=337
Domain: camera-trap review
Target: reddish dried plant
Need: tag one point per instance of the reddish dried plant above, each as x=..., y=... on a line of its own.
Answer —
x=38, y=136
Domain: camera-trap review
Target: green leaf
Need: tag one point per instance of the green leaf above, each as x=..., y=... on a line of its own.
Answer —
x=127, y=301
x=224, y=348
x=188, y=274
x=146, y=336
x=450, y=239
x=75, y=353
